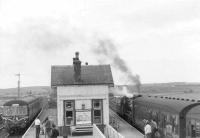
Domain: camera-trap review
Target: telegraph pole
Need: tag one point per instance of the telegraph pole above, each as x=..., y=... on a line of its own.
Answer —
x=18, y=82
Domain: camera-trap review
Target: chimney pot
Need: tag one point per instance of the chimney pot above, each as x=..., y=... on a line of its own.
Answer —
x=77, y=67
x=77, y=55
x=86, y=63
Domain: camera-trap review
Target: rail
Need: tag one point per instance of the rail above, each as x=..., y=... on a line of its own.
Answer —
x=110, y=132
x=7, y=135
x=1, y=128
x=3, y=133
x=97, y=133
x=114, y=123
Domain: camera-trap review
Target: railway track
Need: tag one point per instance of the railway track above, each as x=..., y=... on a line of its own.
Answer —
x=5, y=134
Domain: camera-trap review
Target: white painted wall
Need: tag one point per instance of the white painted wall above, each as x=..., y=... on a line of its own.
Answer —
x=82, y=92
x=88, y=104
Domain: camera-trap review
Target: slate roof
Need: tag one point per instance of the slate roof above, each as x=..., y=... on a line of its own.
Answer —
x=90, y=75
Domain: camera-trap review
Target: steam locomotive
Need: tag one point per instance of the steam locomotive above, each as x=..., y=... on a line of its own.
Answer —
x=175, y=117
x=18, y=114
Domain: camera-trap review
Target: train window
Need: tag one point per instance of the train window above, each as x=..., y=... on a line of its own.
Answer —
x=22, y=110
x=162, y=120
x=7, y=111
x=97, y=111
x=168, y=130
x=198, y=128
x=69, y=112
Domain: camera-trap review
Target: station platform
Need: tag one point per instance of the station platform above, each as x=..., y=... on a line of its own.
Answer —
x=52, y=115
x=124, y=128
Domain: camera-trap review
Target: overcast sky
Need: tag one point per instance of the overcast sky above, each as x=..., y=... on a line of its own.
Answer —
x=157, y=39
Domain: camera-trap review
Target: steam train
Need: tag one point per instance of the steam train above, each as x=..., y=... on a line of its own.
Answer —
x=175, y=117
x=18, y=114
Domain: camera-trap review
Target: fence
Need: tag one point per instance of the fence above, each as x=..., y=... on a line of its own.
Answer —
x=110, y=132
x=97, y=133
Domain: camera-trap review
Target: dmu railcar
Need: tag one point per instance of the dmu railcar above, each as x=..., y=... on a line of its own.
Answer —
x=18, y=114
x=171, y=114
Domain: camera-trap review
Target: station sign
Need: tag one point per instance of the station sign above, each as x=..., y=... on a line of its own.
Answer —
x=83, y=117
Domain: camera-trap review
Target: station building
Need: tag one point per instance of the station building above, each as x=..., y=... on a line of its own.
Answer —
x=82, y=95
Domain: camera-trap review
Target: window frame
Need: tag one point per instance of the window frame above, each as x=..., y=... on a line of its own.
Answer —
x=69, y=109
x=99, y=109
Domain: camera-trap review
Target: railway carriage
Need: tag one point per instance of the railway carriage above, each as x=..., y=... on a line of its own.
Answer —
x=175, y=117
x=18, y=114
x=170, y=113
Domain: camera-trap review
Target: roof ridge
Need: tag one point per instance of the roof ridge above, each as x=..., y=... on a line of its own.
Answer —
x=81, y=65
x=90, y=74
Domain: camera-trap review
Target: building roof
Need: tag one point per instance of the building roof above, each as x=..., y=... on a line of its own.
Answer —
x=90, y=75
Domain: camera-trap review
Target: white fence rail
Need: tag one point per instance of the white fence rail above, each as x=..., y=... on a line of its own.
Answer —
x=97, y=133
x=110, y=132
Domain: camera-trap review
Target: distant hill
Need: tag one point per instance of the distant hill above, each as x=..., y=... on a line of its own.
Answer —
x=24, y=91
x=11, y=93
x=160, y=88
x=174, y=88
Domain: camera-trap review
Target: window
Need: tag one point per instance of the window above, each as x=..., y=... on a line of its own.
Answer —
x=97, y=111
x=69, y=105
x=69, y=112
x=97, y=104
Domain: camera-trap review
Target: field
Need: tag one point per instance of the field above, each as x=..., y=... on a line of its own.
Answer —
x=183, y=90
x=11, y=93
x=36, y=90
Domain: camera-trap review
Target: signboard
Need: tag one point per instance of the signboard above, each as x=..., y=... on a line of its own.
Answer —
x=83, y=117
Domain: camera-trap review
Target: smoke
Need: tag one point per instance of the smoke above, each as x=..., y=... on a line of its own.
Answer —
x=107, y=48
x=49, y=40
x=44, y=37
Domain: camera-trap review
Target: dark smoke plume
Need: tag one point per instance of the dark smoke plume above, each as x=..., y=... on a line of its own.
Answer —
x=107, y=48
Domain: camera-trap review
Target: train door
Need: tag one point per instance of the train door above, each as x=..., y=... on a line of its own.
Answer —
x=195, y=128
x=198, y=128
x=193, y=131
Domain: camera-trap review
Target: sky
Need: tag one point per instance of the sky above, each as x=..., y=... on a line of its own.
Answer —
x=158, y=40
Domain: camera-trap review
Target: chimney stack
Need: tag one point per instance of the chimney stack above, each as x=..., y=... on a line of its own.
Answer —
x=77, y=67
